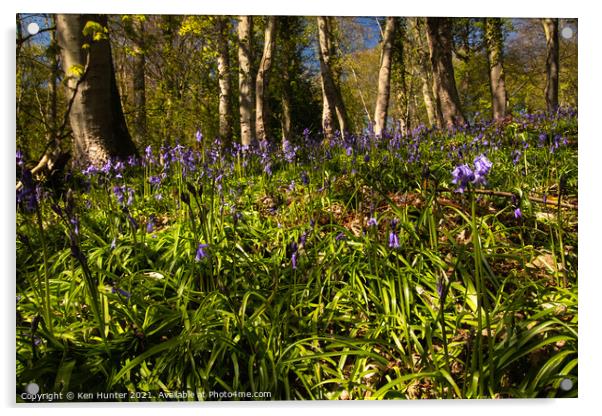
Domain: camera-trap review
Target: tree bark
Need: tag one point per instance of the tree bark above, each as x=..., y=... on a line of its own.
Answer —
x=440, y=48
x=384, y=78
x=52, y=85
x=550, y=27
x=425, y=74
x=332, y=99
x=140, y=125
x=244, y=79
x=261, y=82
x=494, y=42
x=223, y=74
x=288, y=55
x=96, y=117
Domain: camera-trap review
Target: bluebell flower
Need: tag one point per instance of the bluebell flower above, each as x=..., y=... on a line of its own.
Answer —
x=90, y=170
x=19, y=156
x=304, y=178
x=482, y=167
x=462, y=176
x=155, y=180
x=200, y=252
x=372, y=222
x=150, y=224
x=518, y=213
x=393, y=240
x=75, y=222
x=106, y=167
x=289, y=151
x=122, y=292
x=118, y=191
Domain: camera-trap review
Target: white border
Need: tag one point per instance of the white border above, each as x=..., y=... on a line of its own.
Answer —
x=590, y=276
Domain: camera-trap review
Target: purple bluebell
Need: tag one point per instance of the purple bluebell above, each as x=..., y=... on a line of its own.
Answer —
x=19, y=156
x=122, y=292
x=150, y=224
x=155, y=180
x=462, y=175
x=75, y=223
x=542, y=140
x=518, y=213
x=130, y=200
x=200, y=252
x=482, y=167
x=90, y=170
x=106, y=167
x=304, y=178
x=372, y=222
x=119, y=193
x=393, y=240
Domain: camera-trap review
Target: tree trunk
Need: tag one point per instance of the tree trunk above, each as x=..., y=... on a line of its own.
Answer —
x=425, y=74
x=494, y=42
x=96, y=116
x=223, y=74
x=288, y=49
x=550, y=27
x=140, y=127
x=52, y=84
x=440, y=47
x=332, y=100
x=384, y=79
x=244, y=79
x=261, y=83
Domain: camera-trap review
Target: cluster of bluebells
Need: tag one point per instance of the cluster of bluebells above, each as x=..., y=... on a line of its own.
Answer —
x=121, y=192
x=463, y=175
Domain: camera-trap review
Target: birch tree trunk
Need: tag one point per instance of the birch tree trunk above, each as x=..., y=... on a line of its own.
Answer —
x=384, y=79
x=494, y=42
x=244, y=79
x=96, y=116
x=331, y=95
x=550, y=27
x=223, y=74
x=440, y=48
x=261, y=83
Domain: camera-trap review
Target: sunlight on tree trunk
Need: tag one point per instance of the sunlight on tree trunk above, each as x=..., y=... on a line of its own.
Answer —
x=384, y=79
x=96, y=116
x=440, y=46
x=495, y=45
x=550, y=27
x=261, y=84
x=244, y=79
x=223, y=74
x=332, y=100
